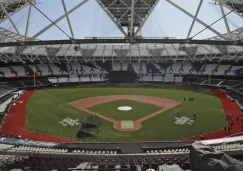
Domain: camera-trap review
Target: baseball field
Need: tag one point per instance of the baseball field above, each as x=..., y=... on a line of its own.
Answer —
x=126, y=112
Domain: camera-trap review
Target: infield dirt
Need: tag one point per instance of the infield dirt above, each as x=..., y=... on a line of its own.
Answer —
x=165, y=104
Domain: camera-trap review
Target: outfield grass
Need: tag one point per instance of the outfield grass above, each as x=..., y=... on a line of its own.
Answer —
x=48, y=107
x=138, y=111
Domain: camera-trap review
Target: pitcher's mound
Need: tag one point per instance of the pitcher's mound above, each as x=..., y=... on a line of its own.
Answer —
x=124, y=108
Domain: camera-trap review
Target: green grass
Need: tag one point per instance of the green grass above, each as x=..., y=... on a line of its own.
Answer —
x=48, y=107
x=138, y=111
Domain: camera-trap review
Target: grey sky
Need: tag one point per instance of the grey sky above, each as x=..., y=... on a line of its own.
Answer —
x=90, y=20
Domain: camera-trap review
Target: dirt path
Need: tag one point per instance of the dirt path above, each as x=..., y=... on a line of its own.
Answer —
x=165, y=104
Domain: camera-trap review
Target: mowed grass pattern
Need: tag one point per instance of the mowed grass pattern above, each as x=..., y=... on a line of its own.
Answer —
x=48, y=107
x=138, y=111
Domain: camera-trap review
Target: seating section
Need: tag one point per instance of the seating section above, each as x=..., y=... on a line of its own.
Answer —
x=230, y=83
x=95, y=78
x=85, y=79
x=65, y=163
x=73, y=78
x=187, y=67
x=53, y=80
x=236, y=96
x=233, y=69
x=75, y=67
x=44, y=69
x=63, y=80
x=178, y=79
x=228, y=147
x=43, y=82
x=144, y=67
x=221, y=70
x=92, y=72
x=98, y=69
x=86, y=69
x=158, y=78
x=7, y=72
x=178, y=67
x=169, y=78
x=37, y=149
x=55, y=69
x=20, y=70
x=211, y=82
x=4, y=105
x=39, y=163
x=199, y=81
x=147, y=77
x=96, y=152
x=209, y=69
x=136, y=67
x=125, y=66
x=167, y=150
x=5, y=147
x=4, y=92
x=116, y=66
x=51, y=158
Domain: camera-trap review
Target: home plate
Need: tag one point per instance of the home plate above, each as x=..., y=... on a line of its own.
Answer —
x=127, y=125
x=124, y=108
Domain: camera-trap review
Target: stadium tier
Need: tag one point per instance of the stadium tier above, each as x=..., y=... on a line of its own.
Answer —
x=143, y=68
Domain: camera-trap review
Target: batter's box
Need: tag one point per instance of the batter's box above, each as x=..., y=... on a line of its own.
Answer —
x=127, y=125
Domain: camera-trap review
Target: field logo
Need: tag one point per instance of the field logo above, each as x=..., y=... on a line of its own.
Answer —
x=183, y=120
x=69, y=122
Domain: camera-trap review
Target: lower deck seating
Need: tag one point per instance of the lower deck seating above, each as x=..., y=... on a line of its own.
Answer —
x=16, y=84
x=7, y=72
x=20, y=70
x=44, y=82
x=64, y=163
x=158, y=78
x=95, y=79
x=200, y=81
x=8, y=100
x=73, y=78
x=5, y=98
x=85, y=79
x=235, y=96
x=31, y=83
x=211, y=82
x=230, y=83
x=63, y=79
x=169, y=78
x=53, y=80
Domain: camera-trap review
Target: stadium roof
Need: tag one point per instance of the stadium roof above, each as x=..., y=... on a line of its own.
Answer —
x=79, y=19
x=121, y=53
x=61, y=32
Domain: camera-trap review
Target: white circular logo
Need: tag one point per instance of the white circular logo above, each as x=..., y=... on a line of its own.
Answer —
x=124, y=108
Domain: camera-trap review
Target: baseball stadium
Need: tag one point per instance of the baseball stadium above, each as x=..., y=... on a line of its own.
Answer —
x=121, y=85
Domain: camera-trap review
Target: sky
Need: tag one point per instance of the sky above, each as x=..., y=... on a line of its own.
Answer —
x=90, y=20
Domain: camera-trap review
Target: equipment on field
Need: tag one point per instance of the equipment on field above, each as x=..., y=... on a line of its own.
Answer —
x=89, y=127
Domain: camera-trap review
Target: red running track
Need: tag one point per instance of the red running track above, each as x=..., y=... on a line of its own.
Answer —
x=14, y=123
x=229, y=108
